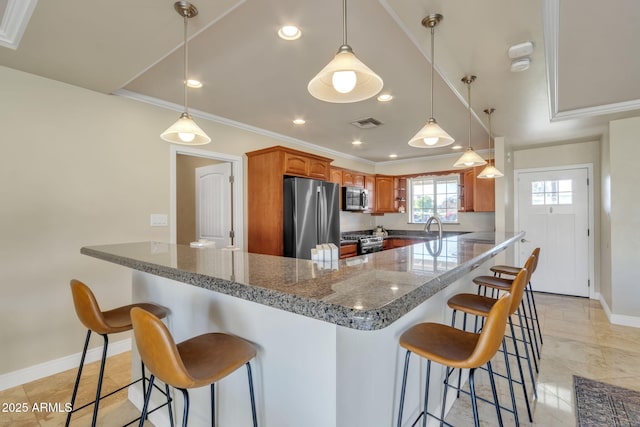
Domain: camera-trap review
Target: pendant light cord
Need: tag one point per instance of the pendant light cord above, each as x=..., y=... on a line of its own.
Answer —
x=490, y=141
x=469, y=96
x=432, y=66
x=186, y=59
x=344, y=23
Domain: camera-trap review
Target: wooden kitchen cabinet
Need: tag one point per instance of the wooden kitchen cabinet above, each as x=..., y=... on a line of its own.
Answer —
x=385, y=194
x=347, y=251
x=479, y=194
x=400, y=193
x=335, y=175
x=266, y=171
x=370, y=185
x=352, y=179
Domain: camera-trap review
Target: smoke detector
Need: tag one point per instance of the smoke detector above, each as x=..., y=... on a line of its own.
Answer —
x=520, y=50
x=520, y=64
x=368, y=123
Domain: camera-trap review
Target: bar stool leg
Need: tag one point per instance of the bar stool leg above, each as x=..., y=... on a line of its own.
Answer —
x=528, y=318
x=403, y=389
x=529, y=290
x=526, y=352
x=474, y=403
x=519, y=363
x=213, y=405
x=167, y=391
x=510, y=380
x=100, y=376
x=495, y=394
x=426, y=394
x=147, y=397
x=251, y=394
x=75, y=386
x=185, y=412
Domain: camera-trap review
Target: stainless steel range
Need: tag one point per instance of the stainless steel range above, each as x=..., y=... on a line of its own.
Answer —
x=367, y=243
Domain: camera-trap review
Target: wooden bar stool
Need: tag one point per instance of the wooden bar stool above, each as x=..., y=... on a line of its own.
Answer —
x=456, y=348
x=507, y=270
x=481, y=306
x=197, y=362
x=103, y=323
x=504, y=284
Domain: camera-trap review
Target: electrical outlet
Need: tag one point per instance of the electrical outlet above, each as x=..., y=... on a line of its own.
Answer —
x=159, y=220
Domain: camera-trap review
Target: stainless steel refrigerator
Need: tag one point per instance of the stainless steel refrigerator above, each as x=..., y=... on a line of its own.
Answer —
x=311, y=215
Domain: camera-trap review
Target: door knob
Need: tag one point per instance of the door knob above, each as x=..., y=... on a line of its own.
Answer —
x=523, y=240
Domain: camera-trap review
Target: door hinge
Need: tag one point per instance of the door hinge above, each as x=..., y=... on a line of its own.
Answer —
x=588, y=232
x=587, y=181
x=232, y=234
x=231, y=179
x=588, y=283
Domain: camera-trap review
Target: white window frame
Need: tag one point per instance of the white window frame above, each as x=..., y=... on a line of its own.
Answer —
x=435, y=179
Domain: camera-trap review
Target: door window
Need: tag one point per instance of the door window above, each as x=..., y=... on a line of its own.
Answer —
x=552, y=192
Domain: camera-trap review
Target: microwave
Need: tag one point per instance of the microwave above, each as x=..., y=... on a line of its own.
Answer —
x=354, y=199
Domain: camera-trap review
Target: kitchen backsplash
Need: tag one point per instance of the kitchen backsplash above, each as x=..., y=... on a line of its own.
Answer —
x=470, y=221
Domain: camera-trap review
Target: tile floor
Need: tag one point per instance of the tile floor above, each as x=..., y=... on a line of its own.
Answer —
x=578, y=339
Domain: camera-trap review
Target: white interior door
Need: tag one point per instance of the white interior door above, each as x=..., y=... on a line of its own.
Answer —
x=213, y=203
x=553, y=209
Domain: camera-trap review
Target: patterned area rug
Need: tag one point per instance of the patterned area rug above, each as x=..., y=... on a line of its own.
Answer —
x=599, y=404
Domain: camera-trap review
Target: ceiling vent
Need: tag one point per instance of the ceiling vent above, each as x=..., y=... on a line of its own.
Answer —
x=368, y=123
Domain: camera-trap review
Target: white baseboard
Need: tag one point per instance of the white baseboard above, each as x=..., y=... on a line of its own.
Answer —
x=619, y=319
x=52, y=367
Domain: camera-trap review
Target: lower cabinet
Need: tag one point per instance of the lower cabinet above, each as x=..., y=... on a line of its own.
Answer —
x=347, y=251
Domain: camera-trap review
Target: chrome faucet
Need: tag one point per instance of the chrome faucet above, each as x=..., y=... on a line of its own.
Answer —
x=427, y=225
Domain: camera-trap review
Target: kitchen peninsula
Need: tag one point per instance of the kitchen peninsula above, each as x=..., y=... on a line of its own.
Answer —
x=327, y=334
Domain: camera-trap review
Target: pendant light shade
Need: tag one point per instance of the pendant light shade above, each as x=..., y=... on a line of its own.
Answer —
x=490, y=170
x=346, y=78
x=470, y=158
x=431, y=135
x=185, y=131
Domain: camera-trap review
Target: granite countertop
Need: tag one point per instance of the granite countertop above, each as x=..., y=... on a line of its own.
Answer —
x=365, y=292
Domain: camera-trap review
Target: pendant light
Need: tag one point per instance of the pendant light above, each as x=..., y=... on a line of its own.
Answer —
x=431, y=135
x=470, y=158
x=490, y=170
x=185, y=131
x=345, y=79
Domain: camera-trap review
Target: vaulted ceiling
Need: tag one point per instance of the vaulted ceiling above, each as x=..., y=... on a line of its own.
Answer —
x=583, y=69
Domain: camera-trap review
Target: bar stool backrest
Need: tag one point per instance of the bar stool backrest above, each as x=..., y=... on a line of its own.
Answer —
x=536, y=253
x=87, y=308
x=158, y=350
x=492, y=332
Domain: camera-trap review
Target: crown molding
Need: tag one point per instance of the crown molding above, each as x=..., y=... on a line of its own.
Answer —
x=14, y=21
x=551, y=29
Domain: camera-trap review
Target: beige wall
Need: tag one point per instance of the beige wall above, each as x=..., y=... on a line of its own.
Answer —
x=605, y=222
x=624, y=151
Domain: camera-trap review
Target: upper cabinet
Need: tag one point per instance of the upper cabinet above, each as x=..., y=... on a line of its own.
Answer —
x=385, y=194
x=304, y=164
x=479, y=194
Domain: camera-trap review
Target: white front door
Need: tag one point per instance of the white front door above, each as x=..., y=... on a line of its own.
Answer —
x=213, y=206
x=553, y=210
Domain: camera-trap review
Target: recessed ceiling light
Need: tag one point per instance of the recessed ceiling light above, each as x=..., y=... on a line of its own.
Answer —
x=393, y=156
x=356, y=142
x=289, y=32
x=456, y=147
x=195, y=84
x=299, y=121
x=385, y=97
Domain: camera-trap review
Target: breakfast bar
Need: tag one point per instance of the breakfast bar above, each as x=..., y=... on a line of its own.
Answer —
x=327, y=333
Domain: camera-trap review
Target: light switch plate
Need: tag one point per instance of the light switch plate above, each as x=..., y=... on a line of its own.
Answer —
x=159, y=220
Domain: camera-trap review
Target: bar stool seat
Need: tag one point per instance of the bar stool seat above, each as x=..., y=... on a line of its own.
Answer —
x=499, y=283
x=199, y=361
x=456, y=348
x=506, y=269
x=103, y=323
